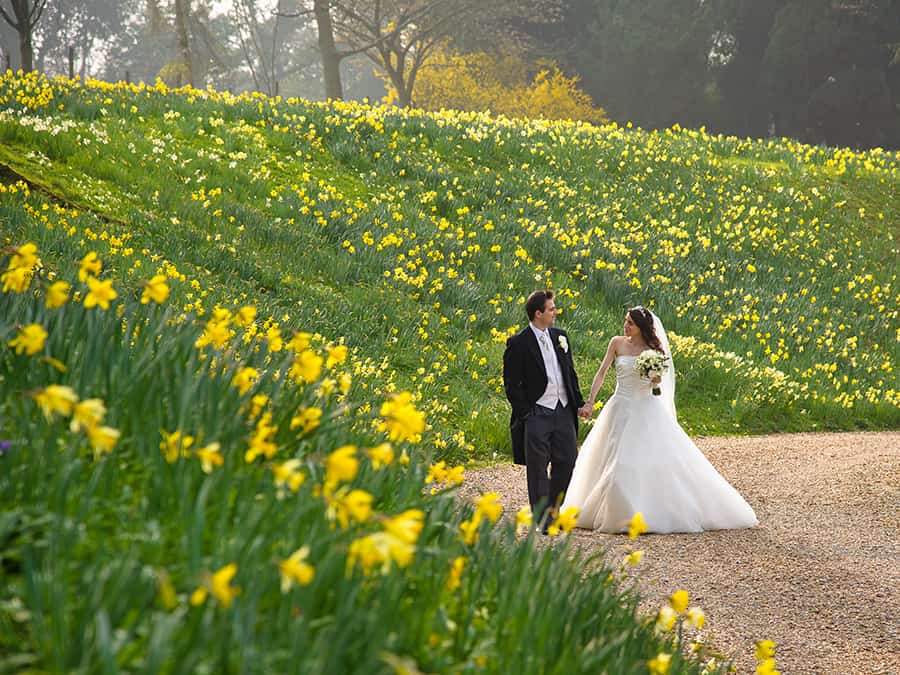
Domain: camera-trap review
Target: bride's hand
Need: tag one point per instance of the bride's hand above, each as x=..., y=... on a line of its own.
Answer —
x=586, y=410
x=656, y=380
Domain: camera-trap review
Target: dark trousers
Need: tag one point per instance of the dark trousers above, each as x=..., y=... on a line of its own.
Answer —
x=550, y=438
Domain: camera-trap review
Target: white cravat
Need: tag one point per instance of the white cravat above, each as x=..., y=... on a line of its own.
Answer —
x=556, y=387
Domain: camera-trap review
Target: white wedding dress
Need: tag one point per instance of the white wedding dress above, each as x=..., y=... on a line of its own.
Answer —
x=638, y=458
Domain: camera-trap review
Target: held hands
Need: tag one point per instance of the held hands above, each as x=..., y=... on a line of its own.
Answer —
x=586, y=411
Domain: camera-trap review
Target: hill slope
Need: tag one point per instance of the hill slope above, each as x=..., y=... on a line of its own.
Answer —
x=416, y=237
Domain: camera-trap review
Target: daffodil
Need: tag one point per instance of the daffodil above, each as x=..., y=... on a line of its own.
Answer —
x=87, y=414
x=665, y=619
x=307, y=367
x=57, y=294
x=261, y=443
x=696, y=617
x=215, y=333
x=345, y=381
x=257, y=403
x=102, y=439
x=30, y=340
x=489, y=505
x=396, y=544
x=401, y=419
x=307, y=419
x=346, y=506
x=637, y=526
x=381, y=455
x=336, y=355
x=245, y=378
x=765, y=649
x=90, y=266
x=454, y=580
x=25, y=255
x=288, y=476
x=245, y=316
x=456, y=475
x=101, y=293
x=209, y=457
x=156, y=289
x=17, y=279
x=659, y=665
x=469, y=529
x=679, y=601
x=175, y=445
x=56, y=398
x=273, y=336
x=219, y=585
x=405, y=526
x=437, y=472
x=167, y=595
x=523, y=518
x=295, y=570
x=299, y=342
x=341, y=465
x=564, y=522
x=632, y=559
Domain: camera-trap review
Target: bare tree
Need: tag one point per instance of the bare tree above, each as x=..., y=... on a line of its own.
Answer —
x=259, y=44
x=155, y=17
x=399, y=36
x=182, y=16
x=331, y=58
x=25, y=16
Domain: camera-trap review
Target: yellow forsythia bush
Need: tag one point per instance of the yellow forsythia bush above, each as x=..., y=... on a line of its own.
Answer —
x=503, y=85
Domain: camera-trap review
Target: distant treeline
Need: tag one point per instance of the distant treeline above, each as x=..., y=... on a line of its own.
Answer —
x=821, y=71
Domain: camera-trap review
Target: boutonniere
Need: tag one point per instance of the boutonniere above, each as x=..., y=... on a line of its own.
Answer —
x=564, y=344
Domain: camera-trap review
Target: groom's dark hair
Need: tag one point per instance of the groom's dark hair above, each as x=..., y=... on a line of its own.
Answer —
x=536, y=302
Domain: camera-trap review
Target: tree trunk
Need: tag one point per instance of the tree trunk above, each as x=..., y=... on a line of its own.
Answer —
x=182, y=9
x=404, y=96
x=155, y=17
x=331, y=60
x=26, y=51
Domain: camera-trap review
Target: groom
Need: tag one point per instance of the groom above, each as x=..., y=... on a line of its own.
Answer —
x=542, y=387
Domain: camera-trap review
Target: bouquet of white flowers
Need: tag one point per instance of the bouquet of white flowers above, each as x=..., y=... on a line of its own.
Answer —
x=651, y=364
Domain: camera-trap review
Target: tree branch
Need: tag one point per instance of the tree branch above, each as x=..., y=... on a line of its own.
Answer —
x=36, y=10
x=7, y=19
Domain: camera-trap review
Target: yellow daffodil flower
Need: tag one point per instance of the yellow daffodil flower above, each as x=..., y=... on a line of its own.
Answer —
x=156, y=290
x=637, y=526
x=56, y=398
x=295, y=570
x=57, y=294
x=101, y=293
x=30, y=340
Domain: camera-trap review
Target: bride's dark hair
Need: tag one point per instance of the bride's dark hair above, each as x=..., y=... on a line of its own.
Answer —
x=643, y=319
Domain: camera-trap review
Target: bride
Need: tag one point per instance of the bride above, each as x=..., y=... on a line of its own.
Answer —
x=638, y=458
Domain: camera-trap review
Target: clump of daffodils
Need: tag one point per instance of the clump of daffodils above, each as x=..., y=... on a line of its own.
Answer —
x=86, y=415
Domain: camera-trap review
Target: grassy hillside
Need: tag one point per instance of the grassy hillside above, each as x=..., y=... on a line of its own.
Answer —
x=272, y=318
x=416, y=237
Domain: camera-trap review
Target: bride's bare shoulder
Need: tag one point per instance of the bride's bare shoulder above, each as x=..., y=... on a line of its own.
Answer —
x=615, y=343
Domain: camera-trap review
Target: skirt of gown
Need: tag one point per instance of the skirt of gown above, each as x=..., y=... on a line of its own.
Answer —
x=638, y=458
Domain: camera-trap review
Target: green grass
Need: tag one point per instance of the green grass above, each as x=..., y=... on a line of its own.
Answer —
x=102, y=551
x=681, y=216
x=413, y=239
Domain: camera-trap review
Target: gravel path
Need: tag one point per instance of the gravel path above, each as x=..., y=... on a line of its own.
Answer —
x=820, y=575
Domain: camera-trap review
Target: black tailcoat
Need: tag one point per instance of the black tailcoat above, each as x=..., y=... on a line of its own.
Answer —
x=525, y=379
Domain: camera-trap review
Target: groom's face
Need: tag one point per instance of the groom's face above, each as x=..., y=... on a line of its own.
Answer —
x=546, y=317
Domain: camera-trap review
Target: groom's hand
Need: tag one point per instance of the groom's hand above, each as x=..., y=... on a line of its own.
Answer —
x=586, y=411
